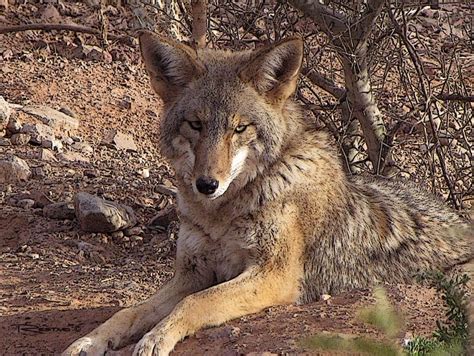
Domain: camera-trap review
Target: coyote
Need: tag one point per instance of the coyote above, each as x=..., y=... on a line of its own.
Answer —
x=268, y=215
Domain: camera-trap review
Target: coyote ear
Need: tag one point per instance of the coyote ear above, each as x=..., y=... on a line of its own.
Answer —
x=170, y=65
x=273, y=70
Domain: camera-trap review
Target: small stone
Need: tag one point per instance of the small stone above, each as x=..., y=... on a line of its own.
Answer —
x=26, y=203
x=164, y=218
x=137, y=230
x=119, y=140
x=38, y=132
x=13, y=126
x=38, y=172
x=83, y=147
x=66, y=110
x=59, y=211
x=126, y=103
x=117, y=234
x=5, y=142
x=51, y=14
x=136, y=238
x=90, y=173
x=5, y=112
x=53, y=118
x=73, y=157
x=20, y=139
x=166, y=190
x=98, y=215
x=14, y=169
x=34, y=256
x=68, y=141
x=55, y=145
x=46, y=155
x=145, y=172
x=325, y=297
x=41, y=200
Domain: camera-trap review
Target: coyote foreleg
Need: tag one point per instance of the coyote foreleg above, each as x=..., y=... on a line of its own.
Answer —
x=250, y=292
x=130, y=324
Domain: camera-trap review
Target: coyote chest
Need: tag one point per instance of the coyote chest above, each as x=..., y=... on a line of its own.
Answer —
x=215, y=250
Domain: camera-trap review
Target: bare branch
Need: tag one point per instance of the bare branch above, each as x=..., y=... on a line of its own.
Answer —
x=455, y=97
x=331, y=22
x=199, y=14
x=363, y=27
x=325, y=83
x=58, y=27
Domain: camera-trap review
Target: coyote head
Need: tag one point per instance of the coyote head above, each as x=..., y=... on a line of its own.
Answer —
x=227, y=114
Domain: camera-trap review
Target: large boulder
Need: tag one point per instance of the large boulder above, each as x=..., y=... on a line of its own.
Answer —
x=99, y=215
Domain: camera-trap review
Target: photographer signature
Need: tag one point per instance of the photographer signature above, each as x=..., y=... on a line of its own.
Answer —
x=28, y=328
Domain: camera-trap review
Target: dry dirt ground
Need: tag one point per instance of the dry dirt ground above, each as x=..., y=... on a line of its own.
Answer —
x=58, y=282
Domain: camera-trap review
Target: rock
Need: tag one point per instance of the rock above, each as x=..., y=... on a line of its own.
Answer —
x=26, y=203
x=51, y=14
x=5, y=112
x=83, y=147
x=98, y=215
x=53, y=118
x=38, y=132
x=55, y=145
x=46, y=155
x=137, y=230
x=136, y=238
x=66, y=110
x=127, y=103
x=59, y=211
x=20, y=139
x=5, y=141
x=68, y=141
x=164, y=217
x=13, y=126
x=145, y=173
x=166, y=190
x=14, y=169
x=41, y=200
x=38, y=172
x=117, y=234
x=119, y=140
x=73, y=157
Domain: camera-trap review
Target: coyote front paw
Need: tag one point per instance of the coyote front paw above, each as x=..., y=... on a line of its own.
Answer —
x=85, y=346
x=152, y=344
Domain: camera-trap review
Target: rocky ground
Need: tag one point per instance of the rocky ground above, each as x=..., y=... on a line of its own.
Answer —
x=76, y=124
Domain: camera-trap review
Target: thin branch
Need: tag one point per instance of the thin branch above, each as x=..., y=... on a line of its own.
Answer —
x=455, y=97
x=331, y=22
x=426, y=96
x=58, y=27
x=363, y=27
x=325, y=83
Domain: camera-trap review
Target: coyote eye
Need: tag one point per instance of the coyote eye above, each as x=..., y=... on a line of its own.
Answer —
x=241, y=128
x=195, y=125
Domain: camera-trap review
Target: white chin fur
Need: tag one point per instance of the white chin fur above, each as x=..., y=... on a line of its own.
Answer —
x=237, y=164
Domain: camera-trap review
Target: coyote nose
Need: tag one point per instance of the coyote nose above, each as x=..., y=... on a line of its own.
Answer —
x=206, y=185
